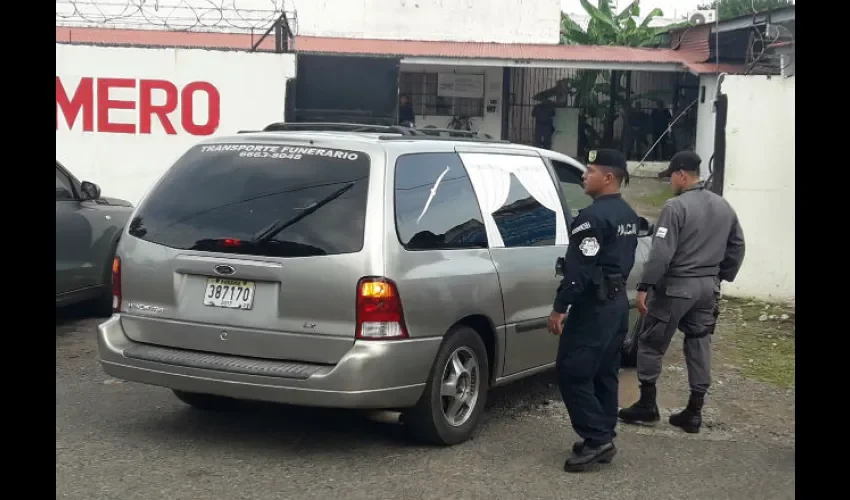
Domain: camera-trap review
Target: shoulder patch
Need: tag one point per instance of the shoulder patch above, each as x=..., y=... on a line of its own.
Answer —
x=589, y=246
x=662, y=232
x=581, y=227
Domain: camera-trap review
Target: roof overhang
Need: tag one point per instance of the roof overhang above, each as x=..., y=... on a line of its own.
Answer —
x=449, y=53
x=530, y=63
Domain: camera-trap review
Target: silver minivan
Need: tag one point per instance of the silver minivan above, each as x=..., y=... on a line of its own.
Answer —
x=366, y=268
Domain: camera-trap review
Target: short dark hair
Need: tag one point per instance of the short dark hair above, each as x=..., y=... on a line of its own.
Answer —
x=620, y=174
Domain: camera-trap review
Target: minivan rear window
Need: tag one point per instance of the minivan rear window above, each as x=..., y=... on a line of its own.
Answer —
x=259, y=199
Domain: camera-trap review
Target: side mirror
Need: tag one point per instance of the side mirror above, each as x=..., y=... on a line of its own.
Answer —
x=89, y=191
x=645, y=227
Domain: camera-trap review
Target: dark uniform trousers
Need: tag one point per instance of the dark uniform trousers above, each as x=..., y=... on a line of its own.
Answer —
x=588, y=363
x=686, y=304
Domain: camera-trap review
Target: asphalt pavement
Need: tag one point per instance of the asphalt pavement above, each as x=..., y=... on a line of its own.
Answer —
x=126, y=441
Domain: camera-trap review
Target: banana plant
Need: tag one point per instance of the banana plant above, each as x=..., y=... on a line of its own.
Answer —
x=606, y=27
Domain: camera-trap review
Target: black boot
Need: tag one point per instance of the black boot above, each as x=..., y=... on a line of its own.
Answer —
x=590, y=455
x=578, y=448
x=645, y=411
x=690, y=419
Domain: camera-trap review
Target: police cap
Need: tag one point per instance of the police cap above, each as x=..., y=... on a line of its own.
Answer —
x=607, y=158
x=684, y=160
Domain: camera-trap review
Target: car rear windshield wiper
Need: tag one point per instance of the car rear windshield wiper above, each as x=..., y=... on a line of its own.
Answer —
x=278, y=226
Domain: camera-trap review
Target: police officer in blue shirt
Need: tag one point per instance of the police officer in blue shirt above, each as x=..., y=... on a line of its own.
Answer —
x=600, y=256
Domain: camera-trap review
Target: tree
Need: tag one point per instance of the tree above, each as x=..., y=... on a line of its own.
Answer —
x=606, y=28
x=735, y=8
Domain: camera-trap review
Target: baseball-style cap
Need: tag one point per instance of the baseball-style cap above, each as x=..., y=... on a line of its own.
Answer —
x=607, y=158
x=684, y=160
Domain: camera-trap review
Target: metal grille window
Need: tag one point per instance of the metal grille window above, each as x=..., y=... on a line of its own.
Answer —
x=422, y=89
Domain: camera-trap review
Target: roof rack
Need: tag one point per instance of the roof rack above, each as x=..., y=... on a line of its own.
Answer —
x=434, y=131
x=339, y=127
x=403, y=133
x=427, y=137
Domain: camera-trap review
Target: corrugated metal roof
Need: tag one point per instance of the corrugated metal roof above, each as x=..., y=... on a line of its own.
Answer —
x=475, y=50
x=711, y=68
x=399, y=48
x=692, y=43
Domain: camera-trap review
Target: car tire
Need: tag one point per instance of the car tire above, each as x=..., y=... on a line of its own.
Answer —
x=206, y=402
x=628, y=357
x=428, y=421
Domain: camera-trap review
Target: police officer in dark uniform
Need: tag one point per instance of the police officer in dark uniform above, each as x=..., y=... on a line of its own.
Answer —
x=697, y=244
x=600, y=256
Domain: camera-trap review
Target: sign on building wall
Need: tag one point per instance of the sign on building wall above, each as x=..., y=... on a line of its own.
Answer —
x=124, y=115
x=460, y=85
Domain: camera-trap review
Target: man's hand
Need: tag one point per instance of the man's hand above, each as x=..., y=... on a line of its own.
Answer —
x=641, y=303
x=556, y=323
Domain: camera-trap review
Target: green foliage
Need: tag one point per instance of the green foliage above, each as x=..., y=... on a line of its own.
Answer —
x=734, y=8
x=605, y=27
x=609, y=28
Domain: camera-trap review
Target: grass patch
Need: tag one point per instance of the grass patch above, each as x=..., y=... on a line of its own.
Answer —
x=656, y=200
x=760, y=338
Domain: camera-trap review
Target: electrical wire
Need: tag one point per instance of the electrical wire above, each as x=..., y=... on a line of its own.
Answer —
x=668, y=130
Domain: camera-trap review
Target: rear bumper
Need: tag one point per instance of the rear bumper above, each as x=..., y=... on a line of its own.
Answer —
x=374, y=375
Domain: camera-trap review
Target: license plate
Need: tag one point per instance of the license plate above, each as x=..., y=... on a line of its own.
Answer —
x=229, y=294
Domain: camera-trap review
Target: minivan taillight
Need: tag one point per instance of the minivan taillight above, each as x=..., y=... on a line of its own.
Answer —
x=116, y=284
x=379, y=313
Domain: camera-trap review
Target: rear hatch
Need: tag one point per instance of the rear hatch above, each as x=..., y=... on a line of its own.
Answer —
x=250, y=249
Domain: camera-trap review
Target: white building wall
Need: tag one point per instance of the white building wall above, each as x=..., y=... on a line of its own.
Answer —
x=760, y=182
x=705, y=121
x=248, y=91
x=502, y=21
x=491, y=123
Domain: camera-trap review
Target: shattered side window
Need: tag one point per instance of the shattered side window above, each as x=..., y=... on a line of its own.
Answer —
x=435, y=205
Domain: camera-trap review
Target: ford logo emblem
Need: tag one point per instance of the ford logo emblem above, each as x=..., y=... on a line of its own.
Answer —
x=224, y=269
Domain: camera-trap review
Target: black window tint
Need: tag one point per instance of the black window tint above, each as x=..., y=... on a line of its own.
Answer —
x=64, y=191
x=523, y=221
x=259, y=199
x=452, y=219
x=572, y=187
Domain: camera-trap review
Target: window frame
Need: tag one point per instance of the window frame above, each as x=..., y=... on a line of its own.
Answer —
x=475, y=201
x=578, y=171
x=61, y=171
x=420, y=89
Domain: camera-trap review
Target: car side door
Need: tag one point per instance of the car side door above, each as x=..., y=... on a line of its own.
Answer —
x=526, y=230
x=73, y=237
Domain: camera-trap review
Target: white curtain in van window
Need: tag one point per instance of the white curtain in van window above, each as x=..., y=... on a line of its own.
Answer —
x=490, y=175
x=536, y=180
x=492, y=186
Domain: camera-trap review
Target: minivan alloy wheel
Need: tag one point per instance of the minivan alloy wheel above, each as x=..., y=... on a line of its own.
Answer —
x=460, y=386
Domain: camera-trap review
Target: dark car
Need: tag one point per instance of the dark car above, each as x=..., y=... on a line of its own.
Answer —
x=88, y=227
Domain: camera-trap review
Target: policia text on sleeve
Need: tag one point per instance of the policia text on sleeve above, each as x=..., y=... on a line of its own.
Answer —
x=599, y=258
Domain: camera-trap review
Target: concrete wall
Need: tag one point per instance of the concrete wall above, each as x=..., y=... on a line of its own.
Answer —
x=503, y=21
x=118, y=141
x=705, y=121
x=490, y=123
x=759, y=182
